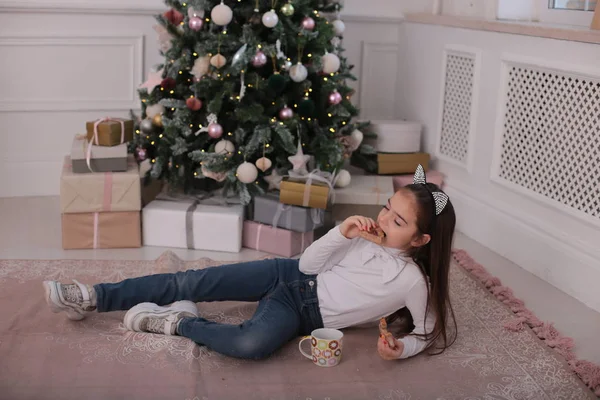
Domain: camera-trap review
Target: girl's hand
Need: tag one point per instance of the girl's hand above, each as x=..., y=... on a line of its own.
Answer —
x=351, y=227
x=386, y=352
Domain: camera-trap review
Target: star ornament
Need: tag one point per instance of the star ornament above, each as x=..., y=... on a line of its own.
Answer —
x=154, y=79
x=273, y=180
x=299, y=160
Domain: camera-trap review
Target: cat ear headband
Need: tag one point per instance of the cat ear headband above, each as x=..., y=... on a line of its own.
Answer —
x=440, y=198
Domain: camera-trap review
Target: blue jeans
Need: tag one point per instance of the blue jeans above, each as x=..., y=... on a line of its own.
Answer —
x=287, y=303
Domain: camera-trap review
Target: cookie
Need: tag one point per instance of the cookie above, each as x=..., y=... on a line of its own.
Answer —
x=374, y=235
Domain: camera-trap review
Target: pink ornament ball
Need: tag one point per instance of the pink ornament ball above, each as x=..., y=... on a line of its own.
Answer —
x=195, y=23
x=259, y=59
x=215, y=130
x=286, y=113
x=140, y=154
x=335, y=98
x=308, y=23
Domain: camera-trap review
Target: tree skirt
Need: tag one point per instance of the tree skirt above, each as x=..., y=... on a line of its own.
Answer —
x=45, y=356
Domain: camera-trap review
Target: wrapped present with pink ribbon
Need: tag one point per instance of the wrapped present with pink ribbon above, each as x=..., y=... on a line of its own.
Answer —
x=313, y=189
x=109, y=131
x=269, y=239
x=435, y=177
x=100, y=192
x=87, y=157
x=101, y=230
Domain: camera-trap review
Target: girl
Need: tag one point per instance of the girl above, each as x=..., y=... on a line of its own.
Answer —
x=341, y=280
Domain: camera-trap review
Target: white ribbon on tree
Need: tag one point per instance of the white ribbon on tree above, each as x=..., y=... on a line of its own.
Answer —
x=212, y=119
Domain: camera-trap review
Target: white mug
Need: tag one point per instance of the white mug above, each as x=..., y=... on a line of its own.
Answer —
x=326, y=347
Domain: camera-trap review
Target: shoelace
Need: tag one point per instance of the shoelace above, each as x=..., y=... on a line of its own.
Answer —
x=155, y=325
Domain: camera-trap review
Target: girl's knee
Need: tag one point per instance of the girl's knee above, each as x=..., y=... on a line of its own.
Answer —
x=253, y=347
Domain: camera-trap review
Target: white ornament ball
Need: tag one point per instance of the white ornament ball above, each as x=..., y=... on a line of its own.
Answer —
x=331, y=63
x=343, y=179
x=270, y=19
x=356, y=138
x=298, y=73
x=339, y=27
x=221, y=14
x=247, y=172
x=263, y=164
x=154, y=109
x=224, y=147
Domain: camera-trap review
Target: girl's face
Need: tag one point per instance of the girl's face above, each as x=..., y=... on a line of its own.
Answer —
x=398, y=219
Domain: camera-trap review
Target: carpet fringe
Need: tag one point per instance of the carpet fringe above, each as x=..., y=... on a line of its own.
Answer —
x=587, y=371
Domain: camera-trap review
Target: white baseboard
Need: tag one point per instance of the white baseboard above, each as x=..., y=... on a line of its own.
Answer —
x=559, y=262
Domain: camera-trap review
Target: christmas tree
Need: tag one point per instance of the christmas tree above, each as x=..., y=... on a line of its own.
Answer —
x=249, y=90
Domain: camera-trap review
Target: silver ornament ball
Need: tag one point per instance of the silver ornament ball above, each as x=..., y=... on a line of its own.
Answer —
x=146, y=126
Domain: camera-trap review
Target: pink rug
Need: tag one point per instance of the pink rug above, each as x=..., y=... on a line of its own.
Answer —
x=45, y=356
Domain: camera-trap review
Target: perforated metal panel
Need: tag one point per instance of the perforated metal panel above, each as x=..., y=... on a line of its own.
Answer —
x=551, y=136
x=457, y=104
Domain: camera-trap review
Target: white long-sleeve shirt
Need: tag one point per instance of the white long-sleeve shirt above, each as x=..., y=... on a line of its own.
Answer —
x=359, y=282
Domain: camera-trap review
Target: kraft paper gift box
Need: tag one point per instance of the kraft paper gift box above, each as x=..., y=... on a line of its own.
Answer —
x=431, y=176
x=401, y=163
x=269, y=239
x=365, y=195
x=110, y=230
x=109, y=191
x=294, y=192
x=101, y=159
x=109, y=131
x=189, y=225
x=268, y=210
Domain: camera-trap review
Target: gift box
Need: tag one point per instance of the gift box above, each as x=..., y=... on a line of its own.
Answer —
x=396, y=136
x=432, y=177
x=268, y=210
x=401, y=163
x=296, y=193
x=110, y=131
x=110, y=230
x=269, y=239
x=365, y=195
x=110, y=191
x=101, y=159
x=190, y=225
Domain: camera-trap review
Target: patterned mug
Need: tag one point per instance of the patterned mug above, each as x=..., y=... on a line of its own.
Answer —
x=326, y=347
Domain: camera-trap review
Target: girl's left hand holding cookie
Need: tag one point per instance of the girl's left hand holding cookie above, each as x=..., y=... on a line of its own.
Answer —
x=388, y=353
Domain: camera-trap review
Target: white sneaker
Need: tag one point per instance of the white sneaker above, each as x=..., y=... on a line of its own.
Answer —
x=75, y=299
x=150, y=317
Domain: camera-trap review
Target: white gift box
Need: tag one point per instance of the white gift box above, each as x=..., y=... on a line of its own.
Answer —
x=396, y=136
x=185, y=224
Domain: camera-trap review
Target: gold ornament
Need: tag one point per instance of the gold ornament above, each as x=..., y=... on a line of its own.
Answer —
x=157, y=120
x=287, y=9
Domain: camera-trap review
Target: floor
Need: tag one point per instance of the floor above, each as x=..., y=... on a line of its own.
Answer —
x=30, y=229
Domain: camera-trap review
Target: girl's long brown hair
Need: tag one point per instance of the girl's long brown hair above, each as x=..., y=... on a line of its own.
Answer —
x=434, y=262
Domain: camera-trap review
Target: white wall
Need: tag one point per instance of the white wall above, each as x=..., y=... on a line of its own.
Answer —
x=65, y=62
x=541, y=237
